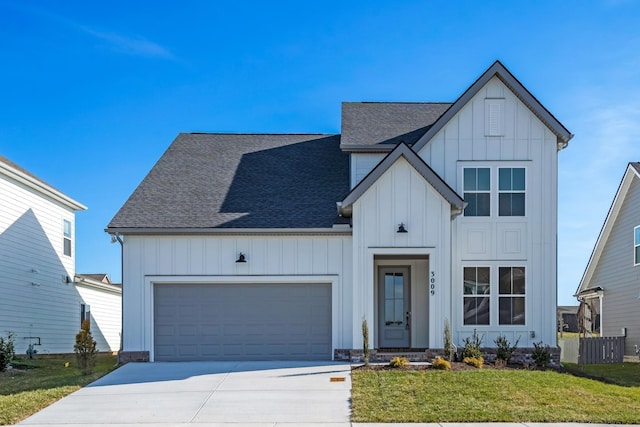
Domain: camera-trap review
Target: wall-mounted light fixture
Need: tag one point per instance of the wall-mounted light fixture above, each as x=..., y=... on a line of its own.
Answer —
x=401, y=228
x=241, y=258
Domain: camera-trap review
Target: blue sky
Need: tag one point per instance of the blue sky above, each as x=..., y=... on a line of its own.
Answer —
x=91, y=94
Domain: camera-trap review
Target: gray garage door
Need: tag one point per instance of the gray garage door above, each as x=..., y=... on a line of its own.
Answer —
x=242, y=322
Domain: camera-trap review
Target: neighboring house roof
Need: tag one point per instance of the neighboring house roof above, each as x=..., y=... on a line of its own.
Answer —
x=97, y=281
x=571, y=309
x=632, y=172
x=101, y=277
x=402, y=150
x=240, y=181
x=370, y=123
x=13, y=171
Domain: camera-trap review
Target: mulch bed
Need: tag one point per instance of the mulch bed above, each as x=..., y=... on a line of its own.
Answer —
x=455, y=366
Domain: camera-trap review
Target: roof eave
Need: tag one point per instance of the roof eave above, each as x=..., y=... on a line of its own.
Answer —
x=337, y=229
x=41, y=187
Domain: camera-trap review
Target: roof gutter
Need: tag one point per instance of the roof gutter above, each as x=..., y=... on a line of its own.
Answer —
x=337, y=229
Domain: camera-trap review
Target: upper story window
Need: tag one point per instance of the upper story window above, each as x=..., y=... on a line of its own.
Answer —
x=67, y=238
x=511, y=191
x=636, y=245
x=477, y=191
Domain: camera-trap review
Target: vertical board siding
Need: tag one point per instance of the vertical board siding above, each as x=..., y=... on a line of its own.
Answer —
x=527, y=142
x=618, y=276
x=106, y=316
x=36, y=299
x=216, y=256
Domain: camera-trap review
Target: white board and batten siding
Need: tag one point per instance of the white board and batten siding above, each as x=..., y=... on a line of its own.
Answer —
x=270, y=259
x=36, y=299
x=401, y=195
x=522, y=141
x=616, y=273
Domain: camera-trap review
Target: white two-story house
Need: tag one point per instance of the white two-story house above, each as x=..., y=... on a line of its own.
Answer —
x=42, y=300
x=262, y=246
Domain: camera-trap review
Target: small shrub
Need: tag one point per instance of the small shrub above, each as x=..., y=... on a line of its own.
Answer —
x=399, y=362
x=504, y=348
x=474, y=361
x=448, y=342
x=7, y=351
x=85, y=348
x=365, y=340
x=440, y=363
x=472, y=346
x=541, y=355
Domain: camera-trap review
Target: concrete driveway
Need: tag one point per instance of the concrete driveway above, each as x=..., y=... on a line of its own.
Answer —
x=211, y=393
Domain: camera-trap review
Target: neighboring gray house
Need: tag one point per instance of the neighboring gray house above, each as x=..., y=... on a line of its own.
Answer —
x=42, y=300
x=262, y=246
x=610, y=285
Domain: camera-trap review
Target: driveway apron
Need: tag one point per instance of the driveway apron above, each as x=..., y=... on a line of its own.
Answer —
x=264, y=393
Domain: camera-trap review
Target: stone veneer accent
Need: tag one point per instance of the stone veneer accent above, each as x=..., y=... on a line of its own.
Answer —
x=132, y=356
x=521, y=356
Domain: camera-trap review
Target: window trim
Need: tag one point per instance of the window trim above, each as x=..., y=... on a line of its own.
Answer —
x=494, y=167
x=636, y=245
x=512, y=191
x=513, y=295
x=476, y=296
x=494, y=295
x=476, y=191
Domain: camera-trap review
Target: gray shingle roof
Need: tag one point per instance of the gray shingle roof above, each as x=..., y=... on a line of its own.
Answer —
x=636, y=166
x=241, y=181
x=369, y=123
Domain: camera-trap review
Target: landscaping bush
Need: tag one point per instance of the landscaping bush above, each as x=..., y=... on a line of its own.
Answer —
x=541, y=355
x=448, y=342
x=399, y=362
x=7, y=351
x=365, y=340
x=85, y=348
x=474, y=361
x=472, y=346
x=440, y=363
x=504, y=348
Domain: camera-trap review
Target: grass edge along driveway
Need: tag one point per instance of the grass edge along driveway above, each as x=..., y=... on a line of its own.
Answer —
x=42, y=381
x=487, y=395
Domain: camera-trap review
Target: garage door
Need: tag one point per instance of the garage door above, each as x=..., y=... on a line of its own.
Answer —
x=242, y=322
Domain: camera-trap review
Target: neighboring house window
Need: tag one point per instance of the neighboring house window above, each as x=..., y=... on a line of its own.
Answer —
x=477, y=191
x=511, y=290
x=67, y=238
x=476, y=295
x=511, y=191
x=85, y=313
x=636, y=245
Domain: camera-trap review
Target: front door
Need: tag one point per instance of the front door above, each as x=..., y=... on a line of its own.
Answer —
x=394, y=315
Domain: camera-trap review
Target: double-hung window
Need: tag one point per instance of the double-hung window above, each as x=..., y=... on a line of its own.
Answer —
x=511, y=295
x=477, y=296
x=67, y=238
x=511, y=192
x=636, y=245
x=477, y=191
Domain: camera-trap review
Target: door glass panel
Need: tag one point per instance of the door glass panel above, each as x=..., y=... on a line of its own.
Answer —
x=394, y=298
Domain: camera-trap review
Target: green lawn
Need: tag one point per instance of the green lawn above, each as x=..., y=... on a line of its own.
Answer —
x=489, y=395
x=26, y=391
x=626, y=374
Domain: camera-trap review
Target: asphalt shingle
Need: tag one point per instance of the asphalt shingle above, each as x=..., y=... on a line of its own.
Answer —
x=241, y=181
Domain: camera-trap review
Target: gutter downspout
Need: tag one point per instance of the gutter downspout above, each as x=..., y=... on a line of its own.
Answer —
x=118, y=238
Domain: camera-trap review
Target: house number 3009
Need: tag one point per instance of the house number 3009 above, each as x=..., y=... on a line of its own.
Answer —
x=432, y=283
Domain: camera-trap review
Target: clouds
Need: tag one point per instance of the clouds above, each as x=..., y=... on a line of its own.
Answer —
x=136, y=46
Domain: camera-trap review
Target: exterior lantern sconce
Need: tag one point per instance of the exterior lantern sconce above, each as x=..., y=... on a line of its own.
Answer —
x=241, y=258
x=401, y=228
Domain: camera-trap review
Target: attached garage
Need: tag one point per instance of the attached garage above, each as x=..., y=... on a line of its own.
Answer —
x=263, y=321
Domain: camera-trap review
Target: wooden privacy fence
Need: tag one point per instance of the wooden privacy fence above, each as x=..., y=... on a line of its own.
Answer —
x=601, y=350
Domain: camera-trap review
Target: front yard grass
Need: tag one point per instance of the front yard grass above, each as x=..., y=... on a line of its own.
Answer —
x=37, y=383
x=626, y=374
x=487, y=395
